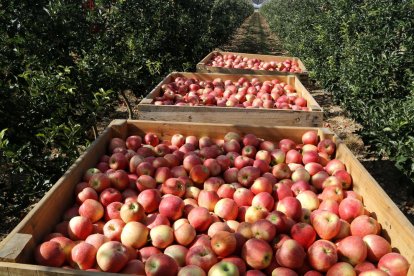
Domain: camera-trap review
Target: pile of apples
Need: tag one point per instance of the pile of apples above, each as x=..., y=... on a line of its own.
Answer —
x=241, y=93
x=233, y=206
x=240, y=62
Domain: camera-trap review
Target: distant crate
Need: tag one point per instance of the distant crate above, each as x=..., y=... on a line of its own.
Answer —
x=234, y=115
x=17, y=249
x=204, y=66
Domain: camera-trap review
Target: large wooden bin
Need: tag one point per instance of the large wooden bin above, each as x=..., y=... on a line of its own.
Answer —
x=16, y=250
x=232, y=115
x=203, y=66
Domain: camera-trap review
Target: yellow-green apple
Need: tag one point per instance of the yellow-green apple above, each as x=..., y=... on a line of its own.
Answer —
x=278, y=156
x=257, y=253
x=341, y=268
x=118, y=161
x=208, y=199
x=50, y=253
x=83, y=256
x=265, y=200
x=263, y=229
x=185, y=234
x=326, y=224
x=350, y=208
x=291, y=207
x=377, y=247
x=79, y=228
x=149, y=199
x=286, y=144
x=364, y=225
x=310, y=137
x=226, y=209
x=162, y=236
x=303, y=233
x=224, y=268
x=223, y=243
x=145, y=182
x=132, y=211
x=113, y=229
x=112, y=256
x=254, y=213
x=134, y=234
x=171, y=207
x=200, y=218
x=99, y=182
x=322, y=255
x=202, y=256
x=161, y=264
x=243, y=196
x=134, y=267
x=281, y=171
x=327, y=146
x=226, y=191
x=352, y=249
x=86, y=193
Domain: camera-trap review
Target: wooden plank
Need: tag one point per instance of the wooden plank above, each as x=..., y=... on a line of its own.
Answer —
x=215, y=114
x=15, y=249
x=13, y=269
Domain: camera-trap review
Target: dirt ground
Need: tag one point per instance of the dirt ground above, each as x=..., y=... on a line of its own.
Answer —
x=254, y=36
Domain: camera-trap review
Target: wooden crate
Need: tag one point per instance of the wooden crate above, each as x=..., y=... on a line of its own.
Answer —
x=16, y=250
x=233, y=115
x=202, y=66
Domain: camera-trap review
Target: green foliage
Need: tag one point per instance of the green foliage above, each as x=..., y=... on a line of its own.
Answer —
x=63, y=63
x=361, y=51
